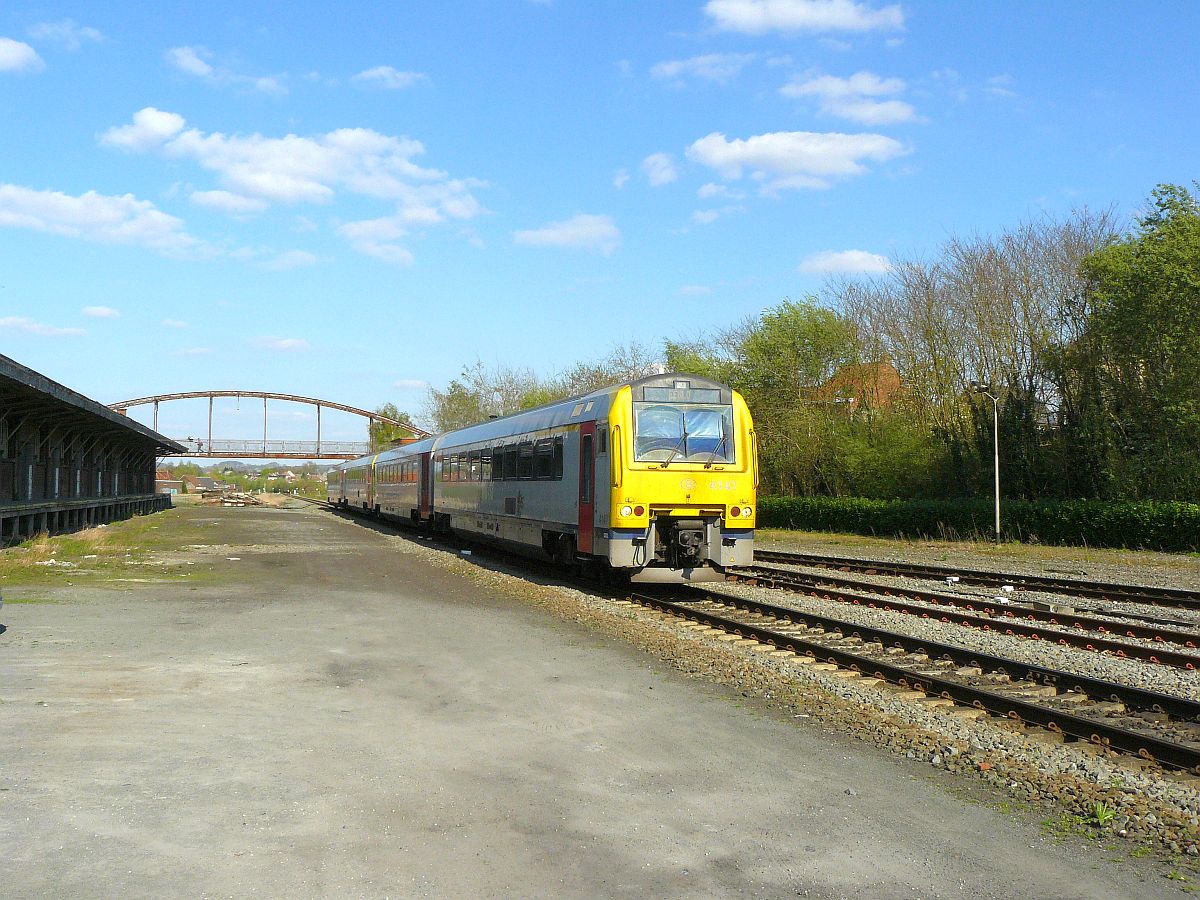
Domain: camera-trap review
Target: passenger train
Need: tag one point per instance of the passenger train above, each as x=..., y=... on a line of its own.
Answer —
x=654, y=479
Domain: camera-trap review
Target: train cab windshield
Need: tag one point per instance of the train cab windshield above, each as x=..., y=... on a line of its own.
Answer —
x=683, y=432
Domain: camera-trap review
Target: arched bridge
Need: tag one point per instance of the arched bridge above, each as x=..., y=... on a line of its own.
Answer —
x=267, y=449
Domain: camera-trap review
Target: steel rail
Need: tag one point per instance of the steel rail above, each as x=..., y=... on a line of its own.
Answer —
x=1129, y=593
x=1006, y=620
x=1162, y=751
x=1132, y=697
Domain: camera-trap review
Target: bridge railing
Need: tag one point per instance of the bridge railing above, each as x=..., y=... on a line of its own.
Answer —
x=275, y=449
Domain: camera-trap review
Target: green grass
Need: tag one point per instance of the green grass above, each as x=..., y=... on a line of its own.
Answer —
x=102, y=553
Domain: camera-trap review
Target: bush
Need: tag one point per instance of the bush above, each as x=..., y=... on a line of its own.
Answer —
x=1149, y=525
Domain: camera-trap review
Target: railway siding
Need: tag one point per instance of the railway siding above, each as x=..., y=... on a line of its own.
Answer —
x=1159, y=644
x=1178, y=682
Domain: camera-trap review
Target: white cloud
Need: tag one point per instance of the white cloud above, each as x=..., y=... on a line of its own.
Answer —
x=410, y=384
x=709, y=190
x=282, y=344
x=708, y=216
x=621, y=179
x=190, y=60
x=377, y=238
x=659, y=169
x=718, y=67
x=295, y=169
x=175, y=323
x=793, y=159
x=829, y=262
x=151, y=127
x=391, y=79
x=96, y=217
x=694, y=290
x=100, y=312
x=791, y=16
x=68, y=33
x=228, y=203
x=854, y=97
x=29, y=326
x=589, y=231
x=16, y=56
x=194, y=61
x=420, y=205
x=290, y=259
x=1000, y=86
x=194, y=351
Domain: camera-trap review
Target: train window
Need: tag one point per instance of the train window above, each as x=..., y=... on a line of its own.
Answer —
x=601, y=441
x=485, y=465
x=558, y=458
x=475, y=465
x=525, y=460
x=543, y=460
x=510, y=463
x=444, y=465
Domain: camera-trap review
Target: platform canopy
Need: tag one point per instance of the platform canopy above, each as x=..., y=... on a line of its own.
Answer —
x=32, y=398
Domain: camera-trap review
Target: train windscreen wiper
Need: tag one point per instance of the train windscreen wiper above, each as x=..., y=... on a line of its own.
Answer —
x=682, y=442
x=720, y=446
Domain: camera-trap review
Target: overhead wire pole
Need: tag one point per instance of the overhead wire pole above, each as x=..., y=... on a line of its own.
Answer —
x=264, y=426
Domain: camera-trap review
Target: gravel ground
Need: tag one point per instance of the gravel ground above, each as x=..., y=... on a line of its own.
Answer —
x=364, y=715
x=1186, y=619
x=1065, y=780
x=1175, y=570
x=1166, y=679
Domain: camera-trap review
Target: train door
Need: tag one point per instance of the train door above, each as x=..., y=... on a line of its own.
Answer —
x=370, y=504
x=425, y=487
x=587, y=485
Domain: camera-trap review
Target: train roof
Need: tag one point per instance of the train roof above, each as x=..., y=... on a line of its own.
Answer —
x=548, y=415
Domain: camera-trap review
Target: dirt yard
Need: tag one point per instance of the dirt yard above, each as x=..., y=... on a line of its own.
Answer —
x=281, y=702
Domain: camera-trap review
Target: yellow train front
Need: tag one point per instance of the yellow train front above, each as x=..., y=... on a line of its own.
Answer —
x=654, y=478
x=683, y=477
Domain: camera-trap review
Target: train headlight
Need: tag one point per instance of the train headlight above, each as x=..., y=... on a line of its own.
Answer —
x=735, y=511
x=627, y=511
x=747, y=512
x=638, y=510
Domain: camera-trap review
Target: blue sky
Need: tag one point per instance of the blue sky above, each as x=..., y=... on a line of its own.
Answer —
x=350, y=201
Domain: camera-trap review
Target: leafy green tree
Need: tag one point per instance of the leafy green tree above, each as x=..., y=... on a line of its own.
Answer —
x=1144, y=337
x=383, y=434
x=777, y=360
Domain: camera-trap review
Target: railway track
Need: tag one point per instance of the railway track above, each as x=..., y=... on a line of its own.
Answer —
x=1150, y=725
x=1018, y=620
x=1178, y=598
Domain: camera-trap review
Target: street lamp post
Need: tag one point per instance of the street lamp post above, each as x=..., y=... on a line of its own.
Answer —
x=987, y=392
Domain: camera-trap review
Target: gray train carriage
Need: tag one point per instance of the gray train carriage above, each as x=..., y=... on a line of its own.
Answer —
x=656, y=476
